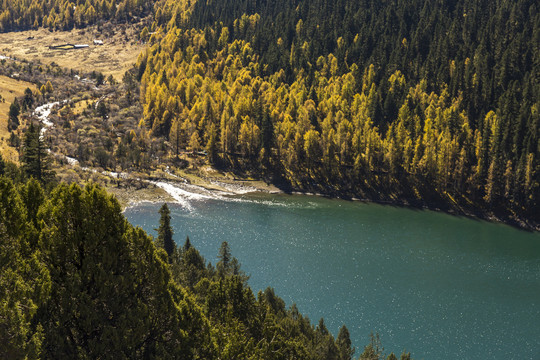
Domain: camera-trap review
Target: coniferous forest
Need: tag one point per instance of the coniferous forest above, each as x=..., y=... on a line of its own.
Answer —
x=16, y=15
x=423, y=101
x=420, y=102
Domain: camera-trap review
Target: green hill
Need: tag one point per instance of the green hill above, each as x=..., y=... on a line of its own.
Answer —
x=421, y=102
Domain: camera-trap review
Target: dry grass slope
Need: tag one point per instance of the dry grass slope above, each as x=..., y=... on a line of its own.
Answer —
x=117, y=54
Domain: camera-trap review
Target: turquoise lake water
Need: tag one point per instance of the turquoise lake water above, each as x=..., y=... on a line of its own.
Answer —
x=439, y=286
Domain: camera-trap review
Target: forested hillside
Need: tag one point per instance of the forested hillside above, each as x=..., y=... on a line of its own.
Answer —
x=428, y=101
x=413, y=101
x=16, y=15
x=78, y=281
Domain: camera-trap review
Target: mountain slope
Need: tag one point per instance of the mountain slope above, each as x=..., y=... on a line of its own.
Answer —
x=421, y=102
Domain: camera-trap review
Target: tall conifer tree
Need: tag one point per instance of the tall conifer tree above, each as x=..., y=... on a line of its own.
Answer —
x=165, y=232
x=36, y=162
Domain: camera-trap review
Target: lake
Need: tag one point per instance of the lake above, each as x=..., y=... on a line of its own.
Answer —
x=439, y=286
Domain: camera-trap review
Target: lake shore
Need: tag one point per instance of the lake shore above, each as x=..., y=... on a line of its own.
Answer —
x=451, y=208
x=234, y=185
x=130, y=193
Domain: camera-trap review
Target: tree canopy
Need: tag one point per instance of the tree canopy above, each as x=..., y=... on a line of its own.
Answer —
x=16, y=15
x=422, y=101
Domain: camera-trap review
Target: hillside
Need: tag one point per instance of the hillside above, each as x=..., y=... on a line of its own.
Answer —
x=432, y=104
x=17, y=15
x=120, y=48
x=427, y=104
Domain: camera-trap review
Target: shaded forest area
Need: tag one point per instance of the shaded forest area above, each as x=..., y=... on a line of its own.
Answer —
x=423, y=102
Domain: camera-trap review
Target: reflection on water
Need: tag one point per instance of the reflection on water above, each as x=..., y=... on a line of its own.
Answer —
x=439, y=286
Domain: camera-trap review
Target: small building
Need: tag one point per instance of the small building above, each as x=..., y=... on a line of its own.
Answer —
x=98, y=42
x=80, y=46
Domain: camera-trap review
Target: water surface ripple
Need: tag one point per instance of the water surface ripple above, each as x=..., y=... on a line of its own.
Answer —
x=442, y=287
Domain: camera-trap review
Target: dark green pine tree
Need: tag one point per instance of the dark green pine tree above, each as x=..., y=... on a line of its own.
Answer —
x=193, y=267
x=13, y=116
x=33, y=197
x=28, y=99
x=102, y=109
x=326, y=347
x=187, y=244
x=36, y=162
x=374, y=350
x=165, y=232
x=343, y=343
x=224, y=264
x=111, y=295
x=24, y=279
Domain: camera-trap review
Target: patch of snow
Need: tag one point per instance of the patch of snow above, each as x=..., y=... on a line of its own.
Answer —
x=72, y=161
x=84, y=168
x=117, y=175
x=43, y=112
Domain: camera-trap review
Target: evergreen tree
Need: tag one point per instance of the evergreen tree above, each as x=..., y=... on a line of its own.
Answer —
x=28, y=100
x=343, y=343
x=193, y=267
x=374, y=350
x=224, y=264
x=102, y=109
x=13, y=115
x=112, y=294
x=165, y=232
x=33, y=197
x=24, y=279
x=187, y=244
x=25, y=285
x=36, y=162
